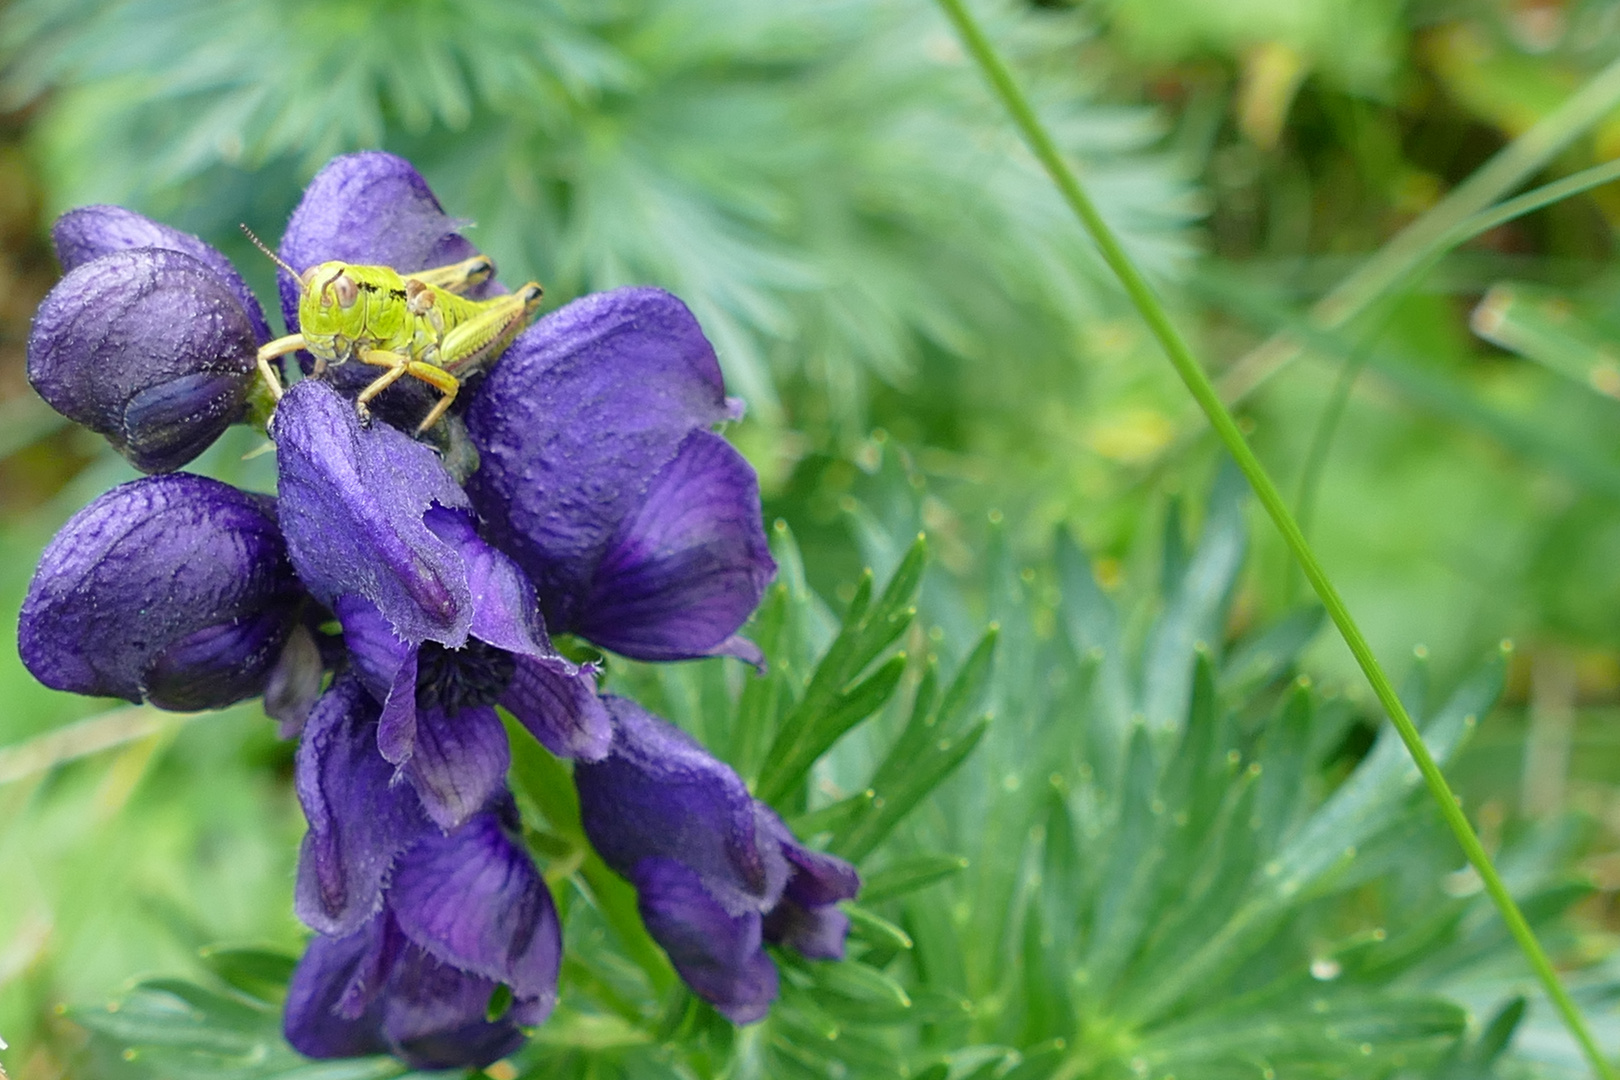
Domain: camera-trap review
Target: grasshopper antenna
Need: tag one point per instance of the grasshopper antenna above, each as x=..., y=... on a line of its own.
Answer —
x=273, y=257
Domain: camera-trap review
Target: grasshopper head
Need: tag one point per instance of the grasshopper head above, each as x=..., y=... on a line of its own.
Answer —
x=328, y=303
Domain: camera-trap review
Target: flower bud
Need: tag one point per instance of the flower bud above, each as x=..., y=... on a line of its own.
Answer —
x=170, y=589
x=149, y=348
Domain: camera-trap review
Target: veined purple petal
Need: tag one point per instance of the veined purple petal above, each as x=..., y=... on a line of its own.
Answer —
x=505, y=610
x=574, y=423
x=689, y=566
x=457, y=762
x=358, y=820
x=370, y=208
x=148, y=347
x=332, y=1006
x=175, y=589
x=558, y=703
x=376, y=650
x=352, y=503
x=473, y=898
x=658, y=794
x=90, y=232
x=718, y=953
x=434, y=1016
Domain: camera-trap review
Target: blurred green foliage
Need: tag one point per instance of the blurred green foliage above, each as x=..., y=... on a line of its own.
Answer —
x=927, y=343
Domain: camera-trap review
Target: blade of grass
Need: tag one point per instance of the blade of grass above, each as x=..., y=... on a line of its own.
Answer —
x=1204, y=392
x=1433, y=231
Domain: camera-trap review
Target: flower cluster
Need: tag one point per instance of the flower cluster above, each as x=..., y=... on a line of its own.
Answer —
x=604, y=506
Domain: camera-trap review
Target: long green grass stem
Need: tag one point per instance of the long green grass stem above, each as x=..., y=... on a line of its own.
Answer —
x=1220, y=418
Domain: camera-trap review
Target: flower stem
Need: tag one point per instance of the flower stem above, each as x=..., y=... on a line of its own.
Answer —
x=1203, y=391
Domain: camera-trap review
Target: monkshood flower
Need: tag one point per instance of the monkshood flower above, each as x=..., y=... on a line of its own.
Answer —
x=600, y=477
x=440, y=626
x=716, y=872
x=171, y=589
x=419, y=926
x=149, y=339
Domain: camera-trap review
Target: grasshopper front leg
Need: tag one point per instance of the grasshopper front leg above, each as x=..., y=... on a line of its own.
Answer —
x=274, y=351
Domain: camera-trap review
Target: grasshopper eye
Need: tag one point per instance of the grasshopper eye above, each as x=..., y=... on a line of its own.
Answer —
x=344, y=291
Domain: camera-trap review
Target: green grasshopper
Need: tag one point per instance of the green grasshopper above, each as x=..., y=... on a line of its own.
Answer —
x=415, y=324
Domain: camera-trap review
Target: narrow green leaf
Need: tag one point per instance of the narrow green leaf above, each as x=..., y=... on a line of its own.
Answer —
x=888, y=809
x=875, y=930
x=832, y=817
x=854, y=980
x=785, y=767
x=909, y=875
x=260, y=973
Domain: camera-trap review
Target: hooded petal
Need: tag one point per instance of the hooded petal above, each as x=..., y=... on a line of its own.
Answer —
x=658, y=794
x=352, y=503
x=93, y=231
x=149, y=348
x=358, y=820
x=369, y=208
x=176, y=589
x=457, y=762
x=332, y=1006
x=574, y=423
x=473, y=898
x=689, y=566
x=718, y=953
x=505, y=610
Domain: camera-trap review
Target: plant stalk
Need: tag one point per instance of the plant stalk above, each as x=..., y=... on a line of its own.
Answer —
x=1220, y=418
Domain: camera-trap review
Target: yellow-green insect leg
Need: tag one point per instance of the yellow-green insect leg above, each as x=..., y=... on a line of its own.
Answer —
x=457, y=277
x=274, y=351
x=437, y=377
x=396, y=363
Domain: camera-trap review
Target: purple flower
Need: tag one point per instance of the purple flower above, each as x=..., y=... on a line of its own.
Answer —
x=418, y=927
x=440, y=626
x=605, y=506
x=600, y=476
x=148, y=340
x=716, y=872
x=171, y=589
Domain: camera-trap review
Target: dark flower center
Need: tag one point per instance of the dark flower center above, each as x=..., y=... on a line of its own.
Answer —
x=457, y=679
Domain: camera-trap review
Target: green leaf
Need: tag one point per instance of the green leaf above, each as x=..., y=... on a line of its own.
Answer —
x=261, y=973
x=909, y=875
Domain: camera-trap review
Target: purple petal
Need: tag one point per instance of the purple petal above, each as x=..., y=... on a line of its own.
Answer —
x=816, y=878
x=473, y=898
x=505, y=610
x=558, y=703
x=212, y=665
x=149, y=348
x=294, y=684
x=171, y=588
x=434, y=1016
x=814, y=932
x=352, y=502
x=378, y=653
x=93, y=231
x=358, y=820
x=717, y=953
x=332, y=1006
x=457, y=762
x=369, y=208
x=396, y=728
x=689, y=566
x=658, y=794
x=573, y=424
